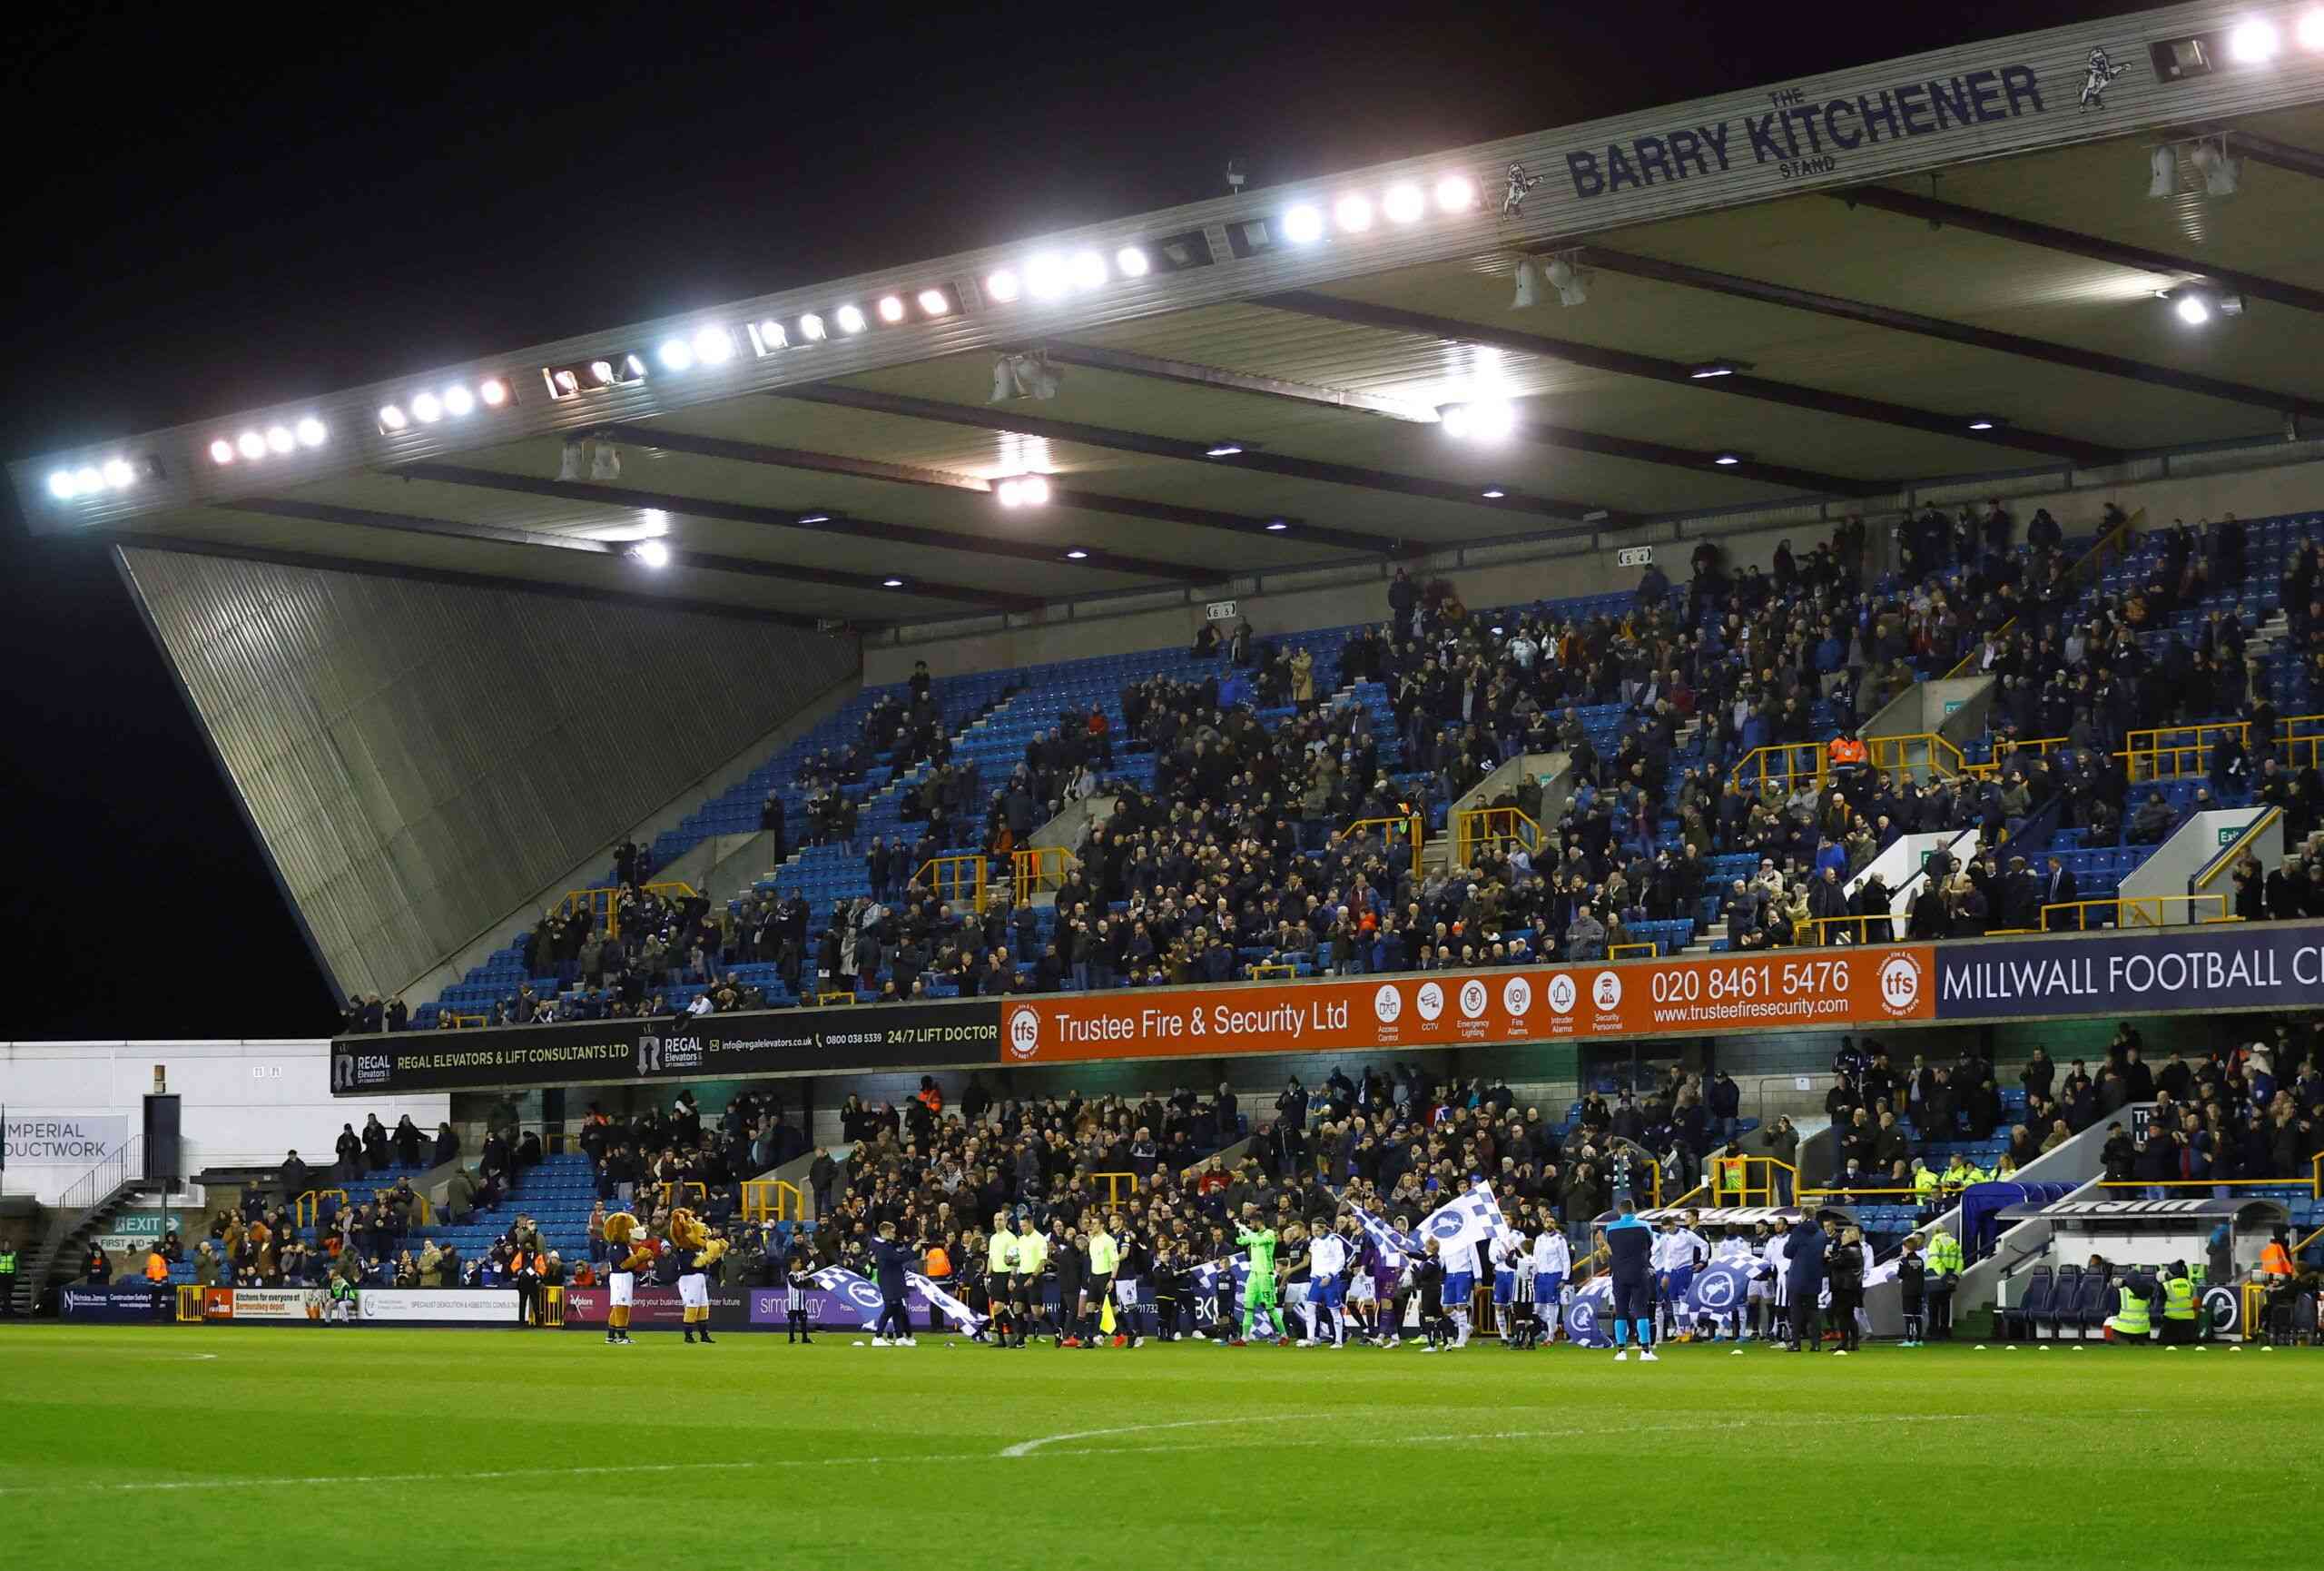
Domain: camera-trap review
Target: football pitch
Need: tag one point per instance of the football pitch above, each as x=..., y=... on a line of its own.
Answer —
x=360, y=1447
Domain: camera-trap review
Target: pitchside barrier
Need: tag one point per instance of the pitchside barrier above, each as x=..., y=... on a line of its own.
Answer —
x=2208, y=969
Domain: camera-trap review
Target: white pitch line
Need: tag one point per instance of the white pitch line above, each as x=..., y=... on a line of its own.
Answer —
x=1026, y=1448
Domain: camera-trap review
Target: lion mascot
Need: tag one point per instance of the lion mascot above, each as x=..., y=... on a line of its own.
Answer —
x=702, y=1251
x=628, y=1251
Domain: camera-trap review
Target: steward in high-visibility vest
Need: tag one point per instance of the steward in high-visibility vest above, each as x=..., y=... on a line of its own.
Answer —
x=2132, y=1320
x=2179, y=1312
x=2275, y=1260
x=1924, y=1182
x=1943, y=1254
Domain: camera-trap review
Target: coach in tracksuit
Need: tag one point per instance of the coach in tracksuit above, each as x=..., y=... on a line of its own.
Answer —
x=1803, y=1283
x=1630, y=1248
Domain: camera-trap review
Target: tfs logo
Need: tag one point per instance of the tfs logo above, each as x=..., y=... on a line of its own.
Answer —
x=1024, y=1033
x=1900, y=984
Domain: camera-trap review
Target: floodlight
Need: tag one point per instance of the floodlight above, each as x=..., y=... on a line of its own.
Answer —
x=1131, y=263
x=811, y=328
x=1489, y=420
x=492, y=391
x=458, y=401
x=1568, y=280
x=1088, y=270
x=1226, y=450
x=311, y=432
x=2162, y=178
x=768, y=336
x=87, y=478
x=935, y=302
x=1076, y=555
x=713, y=345
x=2254, y=42
x=1712, y=369
x=1455, y=194
x=652, y=553
x=1354, y=212
x=1728, y=461
x=1492, y=493
x=2191, y=309
x=891, y=307
x=119, y=475
x=1033, y=490
x=279, y=440
x=1045, y=276
x=675, y=354
x=1404, y=203
x=250, y=444
x=222, y=451
x=1001, y=286
x=893, y=583
x=2219, y=170
x=1303, y=225
x=1982, y=423
x=849, y=319
x=61, y=485
x=2310, y=31
x=1276, y=526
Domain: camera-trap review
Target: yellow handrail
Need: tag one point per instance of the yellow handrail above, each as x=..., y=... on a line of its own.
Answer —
x=2177, y=760
x=1495, y=826
x=309, y=1206
x=1114, y=1181
x=1039, y=870
x=955, y=879
x=2005, y=750
x=773, y=1199
x=678, y=1190
x=835, y=996
x=1408, y=826
x=1617, y=951
x=1822, y=925
x=2229, y=854
x=2138, y=910
x=603, y=905
x=2293, y=742
x=1264, y=971
x=1893, y=755
x=2116, y=540
x=1785, y=753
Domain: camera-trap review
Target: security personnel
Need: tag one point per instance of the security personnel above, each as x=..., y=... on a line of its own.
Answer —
x=2132, y=1320
x=2179, y=1310
x=7, y=1278
x=1944, y=1277
x=525, y=1269
x=1924, y=1182
x=1846, y=751
x=2275, y=1260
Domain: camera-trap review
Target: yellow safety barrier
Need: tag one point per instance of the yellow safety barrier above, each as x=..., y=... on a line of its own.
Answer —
x=1786, y=765
x=957, y=880
x=773, y=1200
x=1410, y=826
x=188, y=1304
x=837, y=995
x=1480, y=827
x=1039, y=870
x=309, y=1206
x=552, y=1305
x=2148, y=756
x=1852, y=1189
x=1270, y=971
x=468, y=1020
x=2138, y=911
x=1632, y=951
x=1756, y=1185
x=2005, y=754
x=603, y=904
x=1854, y=929
x=675, y=1194
x=1896, y=757
x=1114, y=1181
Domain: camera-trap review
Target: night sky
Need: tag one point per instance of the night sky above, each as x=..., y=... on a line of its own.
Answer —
x=215, y=210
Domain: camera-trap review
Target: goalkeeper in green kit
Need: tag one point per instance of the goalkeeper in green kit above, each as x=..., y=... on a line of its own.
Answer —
x=1258, y=1289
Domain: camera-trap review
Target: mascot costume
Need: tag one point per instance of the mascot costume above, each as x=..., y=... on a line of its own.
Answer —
x=628, y=1251
x=701, y=1251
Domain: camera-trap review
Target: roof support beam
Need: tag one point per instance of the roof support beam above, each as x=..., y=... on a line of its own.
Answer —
x=2026, y=232
x=1896, y=320
x=1743, y=468
x=1627, y=362
x=623, y=497
x=900, y=474
x=2280, y=154
x=1192, y=373
x=1283, y=464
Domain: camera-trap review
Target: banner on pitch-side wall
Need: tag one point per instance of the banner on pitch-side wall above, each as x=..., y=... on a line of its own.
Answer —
x=1757, y=990
x=2215, y=966
x=261, y=1303
x=656, y=1307
x=124, y=1303
x=438, y=1306
x=765, y=1042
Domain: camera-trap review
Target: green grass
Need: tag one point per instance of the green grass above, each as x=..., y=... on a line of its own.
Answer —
x=242, y=1447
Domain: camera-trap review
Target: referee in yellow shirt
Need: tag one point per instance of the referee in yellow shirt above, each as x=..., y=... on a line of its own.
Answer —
x=1001, y=1278
x=1025, y=1287
x=1105, y=1258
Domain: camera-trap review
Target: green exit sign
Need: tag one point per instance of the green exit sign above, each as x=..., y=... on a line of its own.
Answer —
x=2230, y=836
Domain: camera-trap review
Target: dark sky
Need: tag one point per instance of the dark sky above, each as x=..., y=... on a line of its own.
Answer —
x=219, y=209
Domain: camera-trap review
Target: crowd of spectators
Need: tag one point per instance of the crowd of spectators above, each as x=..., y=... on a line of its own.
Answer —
x=1240, y=855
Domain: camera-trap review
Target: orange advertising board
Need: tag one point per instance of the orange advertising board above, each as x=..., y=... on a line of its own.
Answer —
x=1772, y=989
